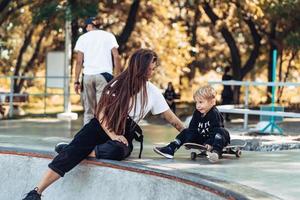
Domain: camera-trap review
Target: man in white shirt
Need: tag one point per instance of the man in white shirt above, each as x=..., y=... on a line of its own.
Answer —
x=97, y=53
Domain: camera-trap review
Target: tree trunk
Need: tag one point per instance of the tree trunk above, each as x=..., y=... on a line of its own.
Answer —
x=74, y=30
x=280, y=57
x=31, y=63
x=250, y=63
x=239, y=71
x=4, y=4
x=27, y=41
x=193, y=40
x=192, y=32
x=234, y=51
x=272, y=38
x=6, y=15
x=280, y=89
x=74, y=36
x=129, y=27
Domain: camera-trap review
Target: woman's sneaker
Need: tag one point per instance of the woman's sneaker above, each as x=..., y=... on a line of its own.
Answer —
x=33, y=195
x=60, y=146
x=213, y=156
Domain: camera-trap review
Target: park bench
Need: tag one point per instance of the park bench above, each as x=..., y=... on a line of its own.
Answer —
x=8, y=99
x=17, y=98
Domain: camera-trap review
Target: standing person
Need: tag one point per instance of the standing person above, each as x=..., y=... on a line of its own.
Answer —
x=170, y=96
x=97, y=52
x=227, y=93
x=129, y=94
x=206, y=128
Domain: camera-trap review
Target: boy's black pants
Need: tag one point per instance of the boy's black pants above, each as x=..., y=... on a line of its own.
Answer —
x=218, y=139
x=90, y=137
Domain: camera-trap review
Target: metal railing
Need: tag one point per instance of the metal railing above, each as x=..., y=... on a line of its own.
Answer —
x=245, y=109
x=44, y=94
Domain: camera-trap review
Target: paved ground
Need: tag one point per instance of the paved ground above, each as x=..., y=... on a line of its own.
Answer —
x=275, y=172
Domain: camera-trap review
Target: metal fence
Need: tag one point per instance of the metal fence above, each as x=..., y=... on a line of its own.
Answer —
x=244, y=110
x=8, y=96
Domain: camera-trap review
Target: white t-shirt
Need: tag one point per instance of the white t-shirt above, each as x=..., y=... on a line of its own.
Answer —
x=156, y=102
x=96, y=45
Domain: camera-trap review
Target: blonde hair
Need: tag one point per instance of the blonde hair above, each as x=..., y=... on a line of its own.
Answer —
x=206, y=92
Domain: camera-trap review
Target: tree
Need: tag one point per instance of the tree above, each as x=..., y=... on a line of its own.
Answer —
x=129, y=27
x=284, y=34
x=276, y=22
x=195, y=39
x=240, y=70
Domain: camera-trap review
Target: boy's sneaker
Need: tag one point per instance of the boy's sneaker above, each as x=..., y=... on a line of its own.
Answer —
x=166, y=151
x=33, y=195
x=213, y=156
x=60, y=146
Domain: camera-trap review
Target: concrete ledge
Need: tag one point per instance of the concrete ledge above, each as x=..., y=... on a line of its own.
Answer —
x=258, y=142
x=21, y=169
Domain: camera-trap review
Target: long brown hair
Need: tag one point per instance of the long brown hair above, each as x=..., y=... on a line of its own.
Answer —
x=120, y=94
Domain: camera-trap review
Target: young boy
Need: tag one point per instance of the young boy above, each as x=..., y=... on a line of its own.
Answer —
x=206, y=127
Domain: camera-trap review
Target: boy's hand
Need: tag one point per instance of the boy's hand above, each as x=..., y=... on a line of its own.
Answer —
x=209, y=147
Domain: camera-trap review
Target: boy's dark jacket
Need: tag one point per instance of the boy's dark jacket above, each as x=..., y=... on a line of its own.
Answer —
x=209, y=125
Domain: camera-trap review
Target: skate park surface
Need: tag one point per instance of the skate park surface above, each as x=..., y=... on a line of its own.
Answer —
x=26, y=147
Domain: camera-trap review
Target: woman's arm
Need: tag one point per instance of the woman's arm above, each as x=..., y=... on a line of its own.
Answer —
x=117, y=61
x=112, y=134
x=173, y=120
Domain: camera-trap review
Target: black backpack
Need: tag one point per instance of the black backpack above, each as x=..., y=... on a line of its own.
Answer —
x=134, y=131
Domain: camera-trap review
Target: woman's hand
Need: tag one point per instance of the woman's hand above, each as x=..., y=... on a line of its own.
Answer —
x=209, y=147
x=111, y=134
x=120, y=138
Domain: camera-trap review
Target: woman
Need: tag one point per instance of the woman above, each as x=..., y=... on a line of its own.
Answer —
x=129, y=94
x=170, y=96
x=227, y=93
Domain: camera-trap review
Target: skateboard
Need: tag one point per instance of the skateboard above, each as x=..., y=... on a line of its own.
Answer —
x=233, y=148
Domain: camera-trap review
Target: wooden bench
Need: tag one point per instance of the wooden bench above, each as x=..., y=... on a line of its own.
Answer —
x=6, y=99
x=16, y=98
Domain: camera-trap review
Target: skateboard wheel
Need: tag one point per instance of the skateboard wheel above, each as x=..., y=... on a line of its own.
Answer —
x=193, y=155
x=238, y=153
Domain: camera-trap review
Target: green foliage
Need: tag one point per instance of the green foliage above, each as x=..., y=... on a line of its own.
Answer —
x=44, y=12
x=292, y=40
x=286, y=13
x=84, y=8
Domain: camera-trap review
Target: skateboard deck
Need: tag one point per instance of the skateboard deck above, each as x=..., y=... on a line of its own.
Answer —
x=233, y=148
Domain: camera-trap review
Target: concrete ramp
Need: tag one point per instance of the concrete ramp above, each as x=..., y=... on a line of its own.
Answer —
x=21, y=170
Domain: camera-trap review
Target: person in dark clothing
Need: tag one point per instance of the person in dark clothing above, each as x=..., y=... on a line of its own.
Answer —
x=170, y=96
x=227, y=93
x=206, y=128
x=129, y=94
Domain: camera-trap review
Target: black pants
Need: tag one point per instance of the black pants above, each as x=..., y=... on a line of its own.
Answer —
x=90, y=137
x=225, y=101
x=172, y=106
x=218, y=139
